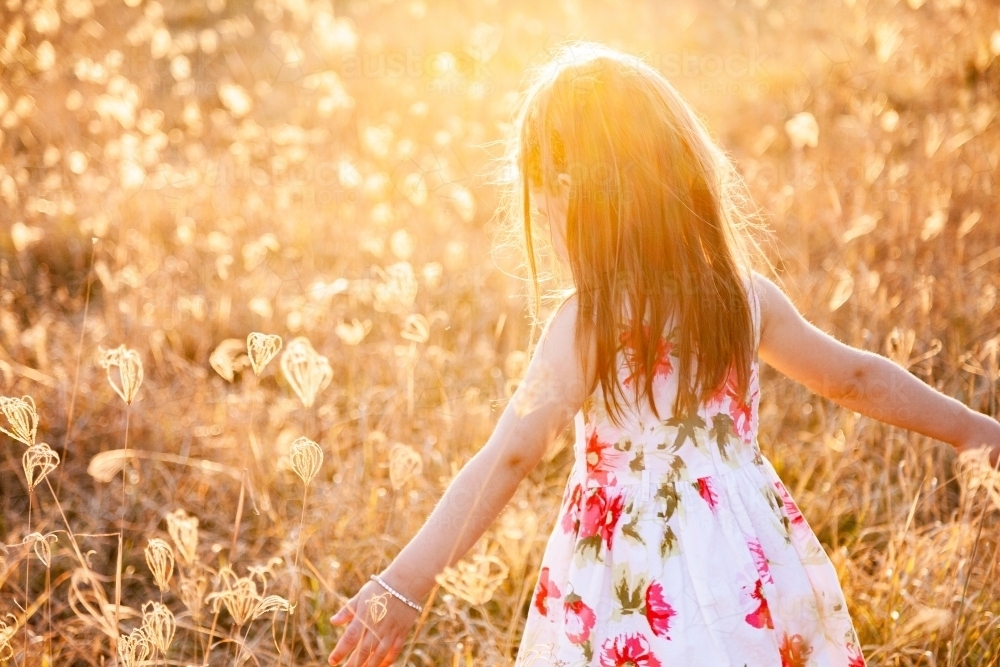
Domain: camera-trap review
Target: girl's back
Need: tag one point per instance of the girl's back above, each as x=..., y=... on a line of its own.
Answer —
x=676, y=542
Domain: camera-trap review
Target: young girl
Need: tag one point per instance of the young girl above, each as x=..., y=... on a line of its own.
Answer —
x=676, y=542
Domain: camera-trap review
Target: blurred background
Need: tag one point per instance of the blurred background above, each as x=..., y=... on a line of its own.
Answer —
x=176, y=175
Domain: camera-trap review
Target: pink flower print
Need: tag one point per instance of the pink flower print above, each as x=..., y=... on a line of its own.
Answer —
x=794, y=515
x=761, y=616
x=601, y=514
x=856, y=659
x=742, y=416
x=760, y=560
x=661, y=369
x=627, y=651
x=794, y=650
x=571, y=518
x=545, y=589
x=602, y=459
x=706, y=491
x=741, y=412
x=579, y=619
x=658, y=611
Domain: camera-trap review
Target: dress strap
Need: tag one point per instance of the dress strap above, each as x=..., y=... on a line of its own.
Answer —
x=754, y=299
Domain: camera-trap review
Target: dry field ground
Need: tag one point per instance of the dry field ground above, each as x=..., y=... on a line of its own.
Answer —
x=175, y=175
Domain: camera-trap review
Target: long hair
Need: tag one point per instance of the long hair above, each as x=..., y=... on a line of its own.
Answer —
x=655, y=223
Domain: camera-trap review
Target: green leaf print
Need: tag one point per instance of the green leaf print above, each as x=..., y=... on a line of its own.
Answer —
x=668, y=492
x=629, y=528
x=588, y=650
x=623, y=445
x=638, y=463
x=668, y=545
x=592, y=542
x=631, y=600
x=777, y=504
x=685, y=429
x=677, y=465
x=723, y=429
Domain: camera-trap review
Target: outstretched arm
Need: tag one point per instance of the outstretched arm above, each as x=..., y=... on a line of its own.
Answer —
x=863, y=381
x=548, y=397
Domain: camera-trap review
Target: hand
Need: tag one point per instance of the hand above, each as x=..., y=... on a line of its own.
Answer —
x=994, y=449
x=374, y=644
x=984, y=434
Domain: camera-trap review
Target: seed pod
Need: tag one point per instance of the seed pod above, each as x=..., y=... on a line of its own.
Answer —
x=307, y=457
x=272, y=603
x=134, y=648
x=192, y=593
x=183, y=531
x=261, y=348
x=160, y=559
x=129, y=366
x=41, y=545
x=20, y=412
x=38, y=462
x=306, y=371
x=159, y=625
x=6, y=633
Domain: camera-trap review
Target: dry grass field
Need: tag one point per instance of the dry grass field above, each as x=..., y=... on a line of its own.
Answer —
x=176, y=175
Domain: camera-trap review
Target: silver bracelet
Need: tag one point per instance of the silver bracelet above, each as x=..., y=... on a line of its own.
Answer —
x=395, y=593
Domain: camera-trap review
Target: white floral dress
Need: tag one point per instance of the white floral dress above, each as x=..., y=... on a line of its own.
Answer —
x=677, y=544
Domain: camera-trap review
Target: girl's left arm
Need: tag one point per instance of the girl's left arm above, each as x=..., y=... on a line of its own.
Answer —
x=552, y=391
x=863, y=381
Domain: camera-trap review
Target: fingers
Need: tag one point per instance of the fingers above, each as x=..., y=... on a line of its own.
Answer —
x=352, y=636
x=390, y=654
x=378, y=655
x=346, y=612
x=366, y=647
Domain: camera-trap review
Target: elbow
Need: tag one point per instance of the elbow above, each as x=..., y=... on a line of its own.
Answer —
x=520, y=466
x=852, y=388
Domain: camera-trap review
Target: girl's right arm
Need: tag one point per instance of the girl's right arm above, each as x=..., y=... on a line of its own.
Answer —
x=863, y=381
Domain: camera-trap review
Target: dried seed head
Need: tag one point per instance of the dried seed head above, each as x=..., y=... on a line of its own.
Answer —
x=134, y=648
x=474, y=580
x=158, y=624
x=272, y=603
x=192, y=592
x=20, y=412
x=129, y=367
x=239, y=595
x=262, y=348
x=228, y=358
x=305, y=370
x=160, y=559
x=404, y=463
x=307, y=457
x=38, y=462
x=6, y=634
x=183, y=530
x=416, y=328
x=41, y=544
x=352, y=334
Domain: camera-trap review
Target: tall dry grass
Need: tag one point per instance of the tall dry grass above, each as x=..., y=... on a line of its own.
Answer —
x=177, y=176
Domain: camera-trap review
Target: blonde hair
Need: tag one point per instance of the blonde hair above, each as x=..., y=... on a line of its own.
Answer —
x=658, y=224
